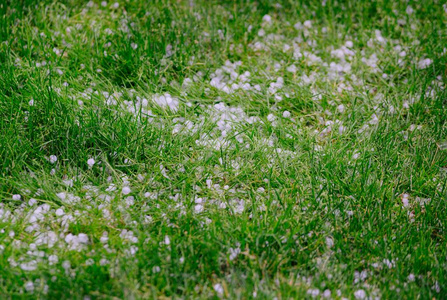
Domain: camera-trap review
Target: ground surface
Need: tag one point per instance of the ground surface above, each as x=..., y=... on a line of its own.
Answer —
x=233, y=150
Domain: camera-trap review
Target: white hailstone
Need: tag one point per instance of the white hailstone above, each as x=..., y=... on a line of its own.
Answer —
x=148, y=219
x=53, y=259
x=104, y=238
x=167, y=100
x=341, y=108
x=218, y=288
x=16, y=197
x=424, y=63
x=156, y=269
x=349, y=44
x=134, y=46
x=307, y=23
x=379, y=37
x=66, y=265
x=116, y=5
x=271, y=117
x=313, y=292
x=436, y=287
x=292, y=69
x=329, y=242
x=374, y=120
x=298, y=26
x=234, y=253
x=267, y=19
x=198, y=208
x=90, y=162
x=32, y=202
x=59, y=71
x=83, y=238
x=167, y=241
x=409, y=10
x=126, y=190
x=104, y=3
x=327, y=294
x=76, y=242
x=52, y=159
x=61, y=195
x=286, y=114
x=388, y=263
x=133, y=250
x=29, y=286
x=209, y=182
x=411, y=278
x=128, y=235
x=31, y=102
x=68, y=182
x=261, y=32
x=186, y=82
x=359, y=294
x=405, y=201
x=29, y=266
x=130, y=200
x=182, y=260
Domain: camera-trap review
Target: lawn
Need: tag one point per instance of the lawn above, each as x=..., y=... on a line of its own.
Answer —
x=223, y=149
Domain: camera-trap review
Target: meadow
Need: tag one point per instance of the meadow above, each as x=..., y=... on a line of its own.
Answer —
x=223, y=149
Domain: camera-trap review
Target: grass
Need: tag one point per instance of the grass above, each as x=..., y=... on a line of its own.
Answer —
x=228, y=149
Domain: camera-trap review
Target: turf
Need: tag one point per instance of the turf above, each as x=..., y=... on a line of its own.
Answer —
x=223, y=149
